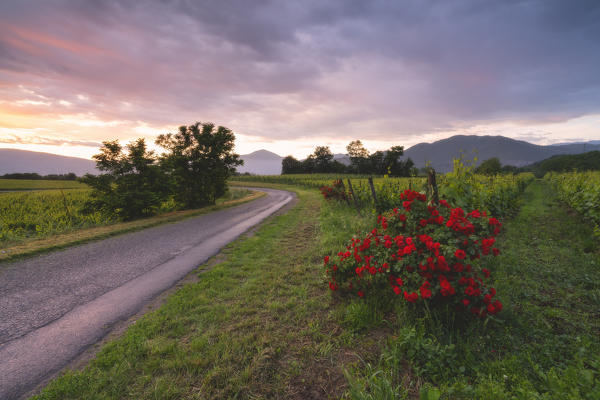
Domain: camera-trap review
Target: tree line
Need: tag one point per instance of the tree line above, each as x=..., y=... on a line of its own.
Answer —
x=589, y=161
x=361, y=162
x=135, y=181
x=36, y=177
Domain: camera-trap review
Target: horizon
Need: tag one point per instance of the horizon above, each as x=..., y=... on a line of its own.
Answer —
x=287, y=77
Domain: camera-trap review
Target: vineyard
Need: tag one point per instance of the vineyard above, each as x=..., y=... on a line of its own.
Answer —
x=580, y=190
x=30, y=184
x=44, y=213
x=496, y=194
x=33, y=214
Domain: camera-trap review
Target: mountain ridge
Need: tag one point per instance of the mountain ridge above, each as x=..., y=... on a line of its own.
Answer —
x=439, y=154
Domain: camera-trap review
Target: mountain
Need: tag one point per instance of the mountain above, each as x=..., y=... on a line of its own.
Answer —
x=509, y=151
x=12, y=160
x=261, y=162
x=343, y=158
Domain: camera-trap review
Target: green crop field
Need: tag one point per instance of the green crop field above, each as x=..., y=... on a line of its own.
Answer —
x=43, y=213
x=27, y=216
x=26, y=184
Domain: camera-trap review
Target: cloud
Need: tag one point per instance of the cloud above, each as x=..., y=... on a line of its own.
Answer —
x=40, y=140
x=282, y=70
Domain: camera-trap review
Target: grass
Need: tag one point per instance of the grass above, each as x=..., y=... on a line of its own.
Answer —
x=70, y=235
x=544, y=344
x=260, y=324
x=263, y=324
x=41, y=184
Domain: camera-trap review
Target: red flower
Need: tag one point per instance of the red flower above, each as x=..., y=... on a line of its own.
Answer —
x=326, y=260
x=333, y=286
x=360, y=294
x=460, y=254
x=397, y=290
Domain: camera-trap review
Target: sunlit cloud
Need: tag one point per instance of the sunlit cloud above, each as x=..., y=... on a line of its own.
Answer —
x=287, y=76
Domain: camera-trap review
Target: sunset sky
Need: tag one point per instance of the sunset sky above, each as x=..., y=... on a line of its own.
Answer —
x=289, y=75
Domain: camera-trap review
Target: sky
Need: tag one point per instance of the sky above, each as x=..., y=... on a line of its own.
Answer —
x=288, y=75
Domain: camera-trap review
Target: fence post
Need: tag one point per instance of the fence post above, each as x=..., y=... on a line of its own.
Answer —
x=353, y=196
x=344, y=189
x=373, y=193
x=433, y=186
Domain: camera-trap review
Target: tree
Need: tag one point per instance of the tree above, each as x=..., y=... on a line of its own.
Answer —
x=491, y=166
x=200, y=158
x=359, y=157
x=133, y=186
x=289, y=165
x=323, y=158
x=377, y=163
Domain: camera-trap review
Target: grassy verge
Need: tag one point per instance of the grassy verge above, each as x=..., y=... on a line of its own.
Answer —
x=545, y=343
x=27, y=247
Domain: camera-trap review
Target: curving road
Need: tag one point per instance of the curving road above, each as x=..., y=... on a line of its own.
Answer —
x=54, y=306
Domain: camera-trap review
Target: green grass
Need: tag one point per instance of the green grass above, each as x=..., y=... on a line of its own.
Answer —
x=545, y=343
x=33, y=222
x=26, y=184
x=263, y=324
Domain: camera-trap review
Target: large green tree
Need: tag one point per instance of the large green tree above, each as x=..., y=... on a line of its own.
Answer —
x=199, y=160
x=132, y=185
x=359, y=157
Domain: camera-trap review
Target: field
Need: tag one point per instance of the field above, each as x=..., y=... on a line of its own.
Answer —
x=261, y=322
x=41, y=219
x=25, y=184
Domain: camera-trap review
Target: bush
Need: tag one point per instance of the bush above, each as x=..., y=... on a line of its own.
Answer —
x=132, y=186
x=334, y=192
x=425, y=254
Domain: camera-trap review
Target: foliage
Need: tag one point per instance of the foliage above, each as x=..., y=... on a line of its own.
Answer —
x=589, y=161
x=489, y=167
x=335, y=191
x=378, y=163
x=200, y=158
x=44, y=213
x=132, y=186
x=424, y=253
x=35, y=184
x=542, y=346
x=496, y=194
x=580, y=190
x=359, y=157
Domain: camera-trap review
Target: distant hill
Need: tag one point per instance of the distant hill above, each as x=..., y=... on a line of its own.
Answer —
x=589, y=161
x=261, y=162
x=12, y=160
x=509, y=151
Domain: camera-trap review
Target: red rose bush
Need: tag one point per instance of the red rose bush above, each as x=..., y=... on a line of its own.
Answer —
x=336, y=191
x=422, y=252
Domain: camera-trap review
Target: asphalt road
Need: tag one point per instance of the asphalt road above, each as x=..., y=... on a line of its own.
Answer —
x=54, y=306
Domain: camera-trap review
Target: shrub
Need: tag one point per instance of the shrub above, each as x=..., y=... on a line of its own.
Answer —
x=334, y=192
x=426, y=254
x=132, y=185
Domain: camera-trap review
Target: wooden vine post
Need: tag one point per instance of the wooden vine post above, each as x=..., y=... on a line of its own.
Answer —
x=433, y=186
x=373, y=193
x=353, y=196
x=344, y=189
